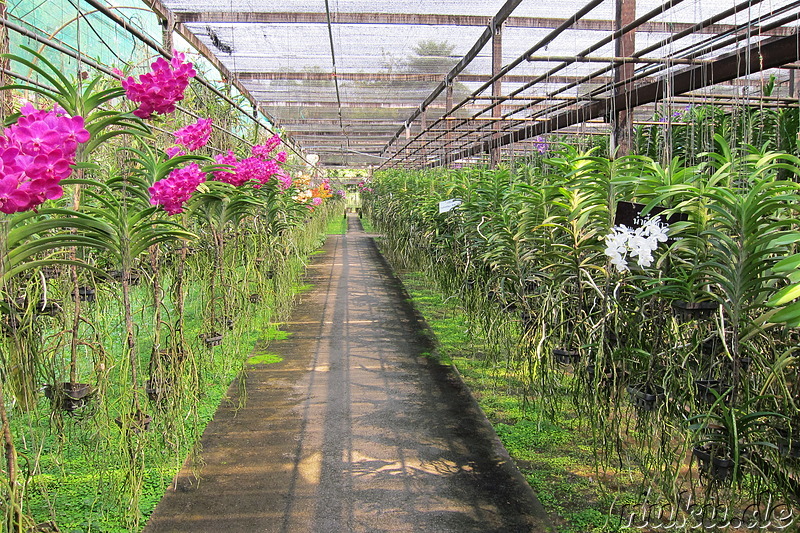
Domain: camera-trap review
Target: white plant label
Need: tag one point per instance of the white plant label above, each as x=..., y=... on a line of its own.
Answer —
x=449, y=205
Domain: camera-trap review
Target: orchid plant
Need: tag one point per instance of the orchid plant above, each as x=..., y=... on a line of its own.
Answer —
x=624, y=242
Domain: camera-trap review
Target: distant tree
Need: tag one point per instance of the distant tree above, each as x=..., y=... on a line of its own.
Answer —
x=434, y=57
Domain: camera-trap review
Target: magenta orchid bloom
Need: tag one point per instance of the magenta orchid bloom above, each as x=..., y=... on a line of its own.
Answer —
x=160, y=90
x=174, y=190
x=37, y=153
x=194, y=136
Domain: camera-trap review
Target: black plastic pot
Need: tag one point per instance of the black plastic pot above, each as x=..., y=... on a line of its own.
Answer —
x=157, y=389
x=41, y=308
x=48, y=308
x=711, y=346
x=706, y=388
x=69, y=397
x=212, y=339
x=645, y=397
x=717, y=467
x=117, y=275
x=255, y=298
x=137, y=422
x=568, y=357
x=527, y=320
x=607, y=378
x=86, y=294
x=227, y=321
x=789, y=442
x=51, y=272
x=694, y=310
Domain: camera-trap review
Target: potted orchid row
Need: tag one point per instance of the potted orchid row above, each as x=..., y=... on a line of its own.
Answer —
x=86, y=186
x=668, y=311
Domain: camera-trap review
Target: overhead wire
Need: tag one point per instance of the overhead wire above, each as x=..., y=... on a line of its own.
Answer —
x=333, y=62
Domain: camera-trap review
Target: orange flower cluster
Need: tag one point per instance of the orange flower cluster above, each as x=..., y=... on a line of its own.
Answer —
x=323, y=190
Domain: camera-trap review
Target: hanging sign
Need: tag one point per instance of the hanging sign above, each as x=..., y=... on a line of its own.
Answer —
x=630, y=214
x=449, y=205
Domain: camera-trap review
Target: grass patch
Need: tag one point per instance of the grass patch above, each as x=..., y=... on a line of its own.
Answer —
x=265, y=359
x=337, y=226
x=367, y=225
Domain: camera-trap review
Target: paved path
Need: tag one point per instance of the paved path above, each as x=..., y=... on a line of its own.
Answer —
x=355, y=430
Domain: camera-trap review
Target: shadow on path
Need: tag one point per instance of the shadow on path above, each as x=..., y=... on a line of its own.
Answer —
x=355, y=430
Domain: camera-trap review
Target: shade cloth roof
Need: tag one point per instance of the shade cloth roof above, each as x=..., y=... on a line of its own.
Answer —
x=346, y=79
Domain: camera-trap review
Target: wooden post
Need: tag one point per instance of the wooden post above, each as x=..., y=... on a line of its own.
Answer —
x=448, y=107
x=497, y=111
x=167, y=29
x=624, y=46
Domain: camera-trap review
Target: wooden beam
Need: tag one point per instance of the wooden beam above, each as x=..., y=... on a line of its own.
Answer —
x=497, y=90
x=420, y=19
x=389, y=77
x=761, y=56
x=383, y=104
x=624, y=46
x=167, y=17
x=5, y=66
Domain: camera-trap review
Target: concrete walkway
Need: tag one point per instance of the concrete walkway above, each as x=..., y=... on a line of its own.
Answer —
x=355, y=430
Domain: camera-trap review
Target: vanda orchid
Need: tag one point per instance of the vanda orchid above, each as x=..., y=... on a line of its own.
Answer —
x=160, y=90
x=36, y=153
x=639, y=243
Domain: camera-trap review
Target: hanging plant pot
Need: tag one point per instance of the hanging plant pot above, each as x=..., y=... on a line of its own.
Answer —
x=269, y=274
x=717, y=467
x=508, y=307
x=227, y=321
x=693, y=310
x=41, y=308
x=137, y=422
x=117, y=275
x=568, y=357
x=709, y=390
x=212, y=339
x=469, y=284
x=158, y=389
x=45, y=527
x=69, y=397
x=51, y=272
x=607, y=378
x=87, y=294
x=612, y=339
x=255, y=298
x=527, y=319
x=48, y=308
x=172, y=357
x=789, y=441
x=645, y=397
x=711, y=346
x=744, y=363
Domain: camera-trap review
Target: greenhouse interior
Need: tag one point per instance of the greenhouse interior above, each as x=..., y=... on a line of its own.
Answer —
x=345, y=266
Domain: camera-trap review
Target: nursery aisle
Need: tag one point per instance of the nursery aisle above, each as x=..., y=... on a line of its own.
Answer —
x=354, y=430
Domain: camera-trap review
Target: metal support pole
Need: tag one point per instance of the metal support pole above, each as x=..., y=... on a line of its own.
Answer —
x=624, y=46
